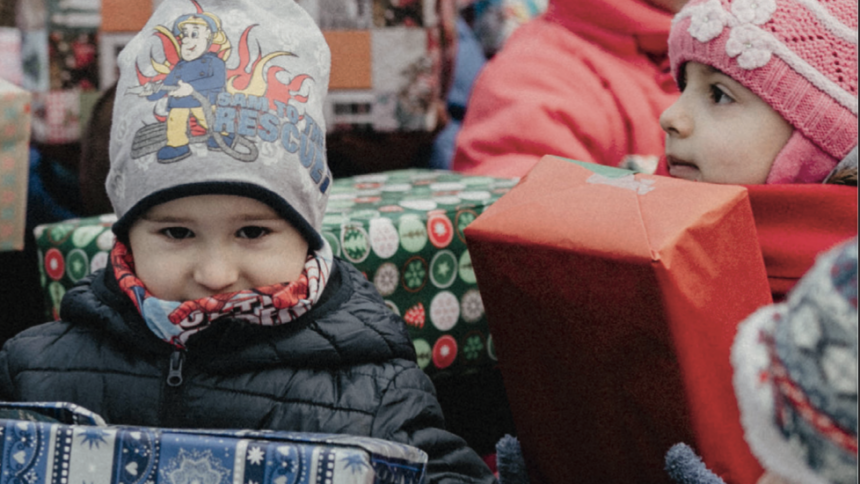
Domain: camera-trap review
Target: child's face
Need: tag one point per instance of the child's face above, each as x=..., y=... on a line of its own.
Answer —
x=718, y=131
x=195, y=41
x=203, y=245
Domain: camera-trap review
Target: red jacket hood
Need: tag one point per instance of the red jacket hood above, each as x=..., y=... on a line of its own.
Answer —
x=601, y=20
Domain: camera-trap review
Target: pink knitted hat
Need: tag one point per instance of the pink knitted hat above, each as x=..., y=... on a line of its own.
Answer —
x=799, y=56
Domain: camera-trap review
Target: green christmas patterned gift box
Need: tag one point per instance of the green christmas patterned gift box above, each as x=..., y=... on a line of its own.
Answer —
x=403, y=229
x=69, y=251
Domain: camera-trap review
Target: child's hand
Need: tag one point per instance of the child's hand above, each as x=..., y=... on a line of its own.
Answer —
x=183, y=90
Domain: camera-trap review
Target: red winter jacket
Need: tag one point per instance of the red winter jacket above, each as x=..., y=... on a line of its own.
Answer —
x=588, y=80
x=797, y=222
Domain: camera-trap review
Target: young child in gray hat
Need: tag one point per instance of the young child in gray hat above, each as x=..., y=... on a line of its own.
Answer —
x=222, y=306
x=795, y=379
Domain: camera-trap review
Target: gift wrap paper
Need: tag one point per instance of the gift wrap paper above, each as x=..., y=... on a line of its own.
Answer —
x=65, y=444
x=613, y=299
x=14, y=164
x=402, y=229
x=68, y=251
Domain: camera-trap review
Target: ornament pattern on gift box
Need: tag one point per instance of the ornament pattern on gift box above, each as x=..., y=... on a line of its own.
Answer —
x=77, y=265
x=415, y=316
x=414, y=274
x=386, y=279
x=444, y=311
x=443, y=269
x=415, y=238
x=473, y=347
x=444, y=352
x=384, y=238
x=413, y=235
x=68, y=252
x=440, y=230
x=467, y=272
x=423, y=352
x=472, y=306
x=354, y=241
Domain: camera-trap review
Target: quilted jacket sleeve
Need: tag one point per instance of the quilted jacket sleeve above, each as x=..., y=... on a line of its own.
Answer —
x=7, y=390
x=409, y=413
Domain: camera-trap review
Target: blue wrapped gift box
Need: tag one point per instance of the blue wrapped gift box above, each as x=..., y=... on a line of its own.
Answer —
x=60, y=443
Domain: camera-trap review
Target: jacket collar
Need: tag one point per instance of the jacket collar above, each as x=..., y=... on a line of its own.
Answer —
x=329, y=335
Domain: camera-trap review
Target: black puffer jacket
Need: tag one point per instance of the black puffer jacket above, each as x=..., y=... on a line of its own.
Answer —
x=347, y=366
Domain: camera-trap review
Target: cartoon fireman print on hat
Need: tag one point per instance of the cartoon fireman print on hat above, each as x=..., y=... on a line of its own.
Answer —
x=228, y=109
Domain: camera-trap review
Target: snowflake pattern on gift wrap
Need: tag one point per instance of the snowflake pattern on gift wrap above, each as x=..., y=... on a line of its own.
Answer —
x=415, y=274
x=472, y=306
x=195, y=468
x=443, y=269
x=355, y=463
x=473, y=347
x=385, y=279
x=256, y=455
x=93, y=437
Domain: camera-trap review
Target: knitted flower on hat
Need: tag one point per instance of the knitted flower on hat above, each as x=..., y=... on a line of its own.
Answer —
x=223, y=97
x=795, y=375
x=799, y=56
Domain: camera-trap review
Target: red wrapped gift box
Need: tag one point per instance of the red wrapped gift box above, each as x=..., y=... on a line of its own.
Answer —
x=613, y=300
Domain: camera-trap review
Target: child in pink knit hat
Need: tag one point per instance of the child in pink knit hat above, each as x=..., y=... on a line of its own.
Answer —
x=769, y=92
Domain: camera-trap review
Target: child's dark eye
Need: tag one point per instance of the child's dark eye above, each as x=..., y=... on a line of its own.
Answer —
x=177, y=233
x=719, y=96
x=252, y=232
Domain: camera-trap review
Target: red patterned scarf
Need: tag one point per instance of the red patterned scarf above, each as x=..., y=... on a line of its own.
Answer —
x=176, y=321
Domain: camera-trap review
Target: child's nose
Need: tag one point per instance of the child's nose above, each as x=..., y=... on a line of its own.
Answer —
x=675, y=121
x=216, y=271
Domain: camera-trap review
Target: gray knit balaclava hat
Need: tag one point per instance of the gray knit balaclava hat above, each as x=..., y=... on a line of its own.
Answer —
x=795, y=375
x=223, y=97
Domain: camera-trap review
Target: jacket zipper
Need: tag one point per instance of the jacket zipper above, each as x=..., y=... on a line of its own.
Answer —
x=174, y=374
x=171, y=404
